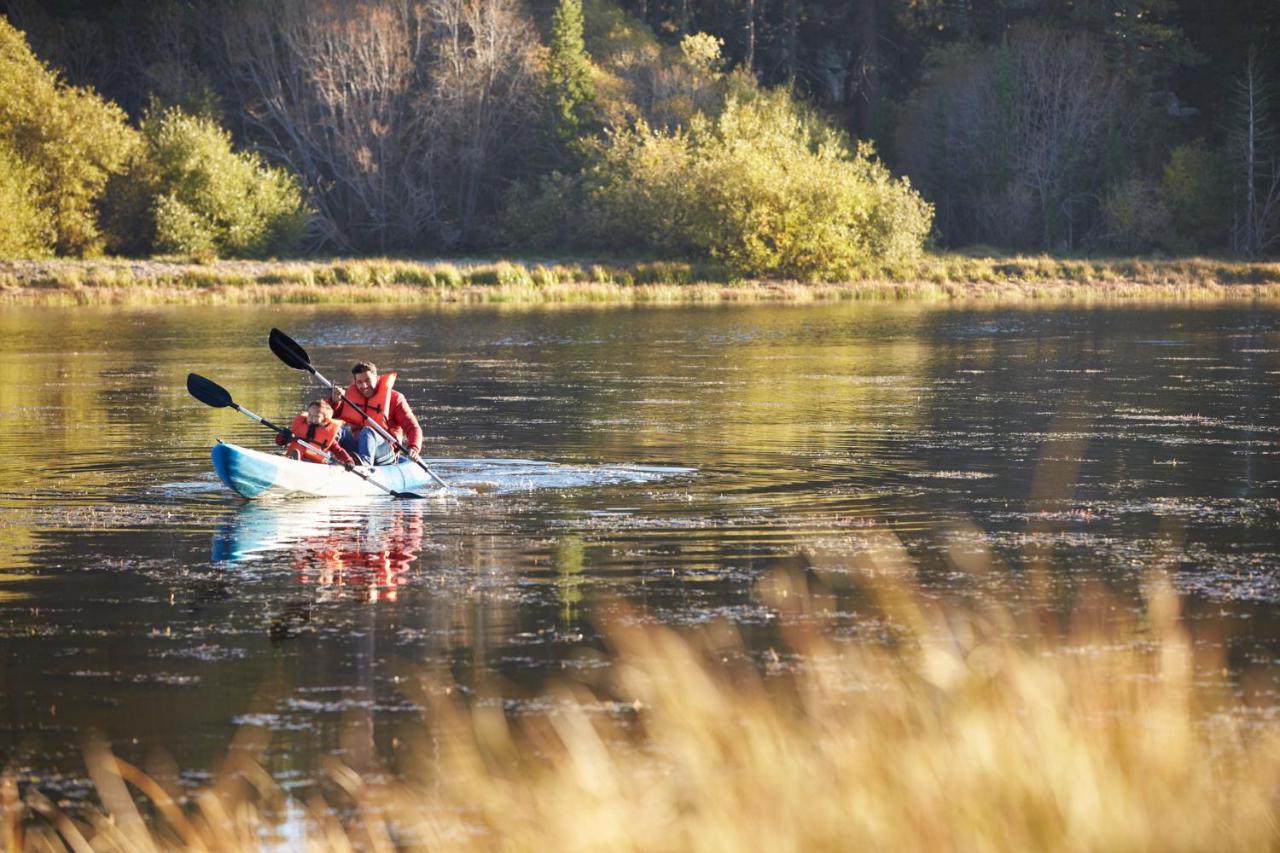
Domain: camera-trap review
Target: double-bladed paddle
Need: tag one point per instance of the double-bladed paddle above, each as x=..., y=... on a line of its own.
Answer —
x=291, y=353
x=212, y=394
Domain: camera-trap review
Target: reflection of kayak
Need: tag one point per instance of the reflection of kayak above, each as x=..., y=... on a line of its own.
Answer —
x=254, y=530
x=252, y=474
x=362, y=548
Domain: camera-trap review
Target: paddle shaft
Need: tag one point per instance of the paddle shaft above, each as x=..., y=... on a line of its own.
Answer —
x=266, y=423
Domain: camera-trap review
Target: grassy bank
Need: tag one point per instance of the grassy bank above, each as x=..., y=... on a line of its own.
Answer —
x=935, y=277
x=941, y=728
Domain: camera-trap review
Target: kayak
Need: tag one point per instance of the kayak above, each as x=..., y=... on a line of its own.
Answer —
x=254, y=475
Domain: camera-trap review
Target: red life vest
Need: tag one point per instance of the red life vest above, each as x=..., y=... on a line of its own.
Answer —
x=322, y=436
x=375, y=408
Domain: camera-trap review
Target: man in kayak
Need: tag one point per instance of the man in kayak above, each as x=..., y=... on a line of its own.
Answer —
x=317, y=428
x=374, y=399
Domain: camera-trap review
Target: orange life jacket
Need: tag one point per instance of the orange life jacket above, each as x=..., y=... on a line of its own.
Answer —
x=322, y=436
x=375, y=408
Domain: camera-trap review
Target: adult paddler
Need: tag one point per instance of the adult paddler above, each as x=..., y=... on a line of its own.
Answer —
x=374, y=398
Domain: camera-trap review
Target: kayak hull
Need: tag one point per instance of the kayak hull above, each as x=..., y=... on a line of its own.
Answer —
x=255, y=476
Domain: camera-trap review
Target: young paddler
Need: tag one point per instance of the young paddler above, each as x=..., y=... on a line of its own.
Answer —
x=375, y=399
x=316, y=427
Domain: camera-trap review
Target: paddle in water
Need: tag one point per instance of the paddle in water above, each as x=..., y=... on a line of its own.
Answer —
x=212, y=394
x=291, y=353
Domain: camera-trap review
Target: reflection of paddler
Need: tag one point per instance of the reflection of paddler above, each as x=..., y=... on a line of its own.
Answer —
x=317, y=428
x=332, y=562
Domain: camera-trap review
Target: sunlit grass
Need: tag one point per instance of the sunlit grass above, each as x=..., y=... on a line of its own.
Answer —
x=974, y=275
x=934, y=726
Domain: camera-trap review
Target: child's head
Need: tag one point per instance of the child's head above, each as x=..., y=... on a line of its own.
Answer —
x=319, y=412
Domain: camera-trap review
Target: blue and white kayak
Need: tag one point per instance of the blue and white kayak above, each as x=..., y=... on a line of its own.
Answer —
x=255, y=475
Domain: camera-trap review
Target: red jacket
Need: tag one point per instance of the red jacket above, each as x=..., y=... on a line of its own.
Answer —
x=334, y=448
x=401, y=421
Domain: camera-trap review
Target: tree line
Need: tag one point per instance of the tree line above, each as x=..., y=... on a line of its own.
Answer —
x=801, y=138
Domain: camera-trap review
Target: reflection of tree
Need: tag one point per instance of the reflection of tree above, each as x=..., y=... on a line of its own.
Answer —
x=102, y=387
x=662, y=385
x=567, y=556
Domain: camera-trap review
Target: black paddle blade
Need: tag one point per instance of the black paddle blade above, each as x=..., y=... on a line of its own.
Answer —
x=208, y=392
x=413, y=496
x=288, y=350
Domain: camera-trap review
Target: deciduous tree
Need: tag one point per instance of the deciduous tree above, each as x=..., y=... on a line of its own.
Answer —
x=1256, y=221
x=70, y=140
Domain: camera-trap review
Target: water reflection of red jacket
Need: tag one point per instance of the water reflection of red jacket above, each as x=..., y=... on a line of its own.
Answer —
x=335, y=560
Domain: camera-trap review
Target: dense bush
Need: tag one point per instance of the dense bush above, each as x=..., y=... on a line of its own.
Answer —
x=62, y=146
x=1137, y=217
x=544, y=213
x=26, y=229
x=765, y=186
x=211, y=200
x=1197, y=189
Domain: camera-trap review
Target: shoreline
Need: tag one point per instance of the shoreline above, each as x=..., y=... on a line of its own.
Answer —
x=935, y=278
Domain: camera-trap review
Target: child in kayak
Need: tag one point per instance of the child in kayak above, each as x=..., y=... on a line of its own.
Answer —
x=316, y=427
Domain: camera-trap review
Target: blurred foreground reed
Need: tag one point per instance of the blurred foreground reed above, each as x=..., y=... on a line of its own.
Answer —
x=943, y=727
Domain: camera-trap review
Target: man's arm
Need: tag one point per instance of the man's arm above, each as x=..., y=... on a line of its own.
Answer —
x=402, y=416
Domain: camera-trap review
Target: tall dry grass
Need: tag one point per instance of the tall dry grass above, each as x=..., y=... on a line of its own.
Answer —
x=938, y=726
x=936, y=277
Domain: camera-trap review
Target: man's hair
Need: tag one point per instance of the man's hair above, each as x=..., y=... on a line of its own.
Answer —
x=323, y=404
x=364, y=367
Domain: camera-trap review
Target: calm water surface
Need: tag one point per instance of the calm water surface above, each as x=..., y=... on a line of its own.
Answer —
x=657, y=462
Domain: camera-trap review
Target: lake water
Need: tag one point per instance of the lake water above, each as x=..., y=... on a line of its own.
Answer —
x=649, y=464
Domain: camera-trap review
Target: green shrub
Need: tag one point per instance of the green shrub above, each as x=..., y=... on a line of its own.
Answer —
x=765, y=187
x=447, y=275
x=129, y=207
x=287, y=275
x=26, y=229
x=70, y=142
x=484, y=276
x=1137, y=218
x=544, y=213
x=1197, y=189
x=569, y=273
x=209, y=198
x=663, y=272
x=352, y=272
x=641, y=195
x=515, y=275
x=415, y=274
x=544, y=276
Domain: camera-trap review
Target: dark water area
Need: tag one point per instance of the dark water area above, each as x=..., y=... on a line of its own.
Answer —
x=652, y=464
